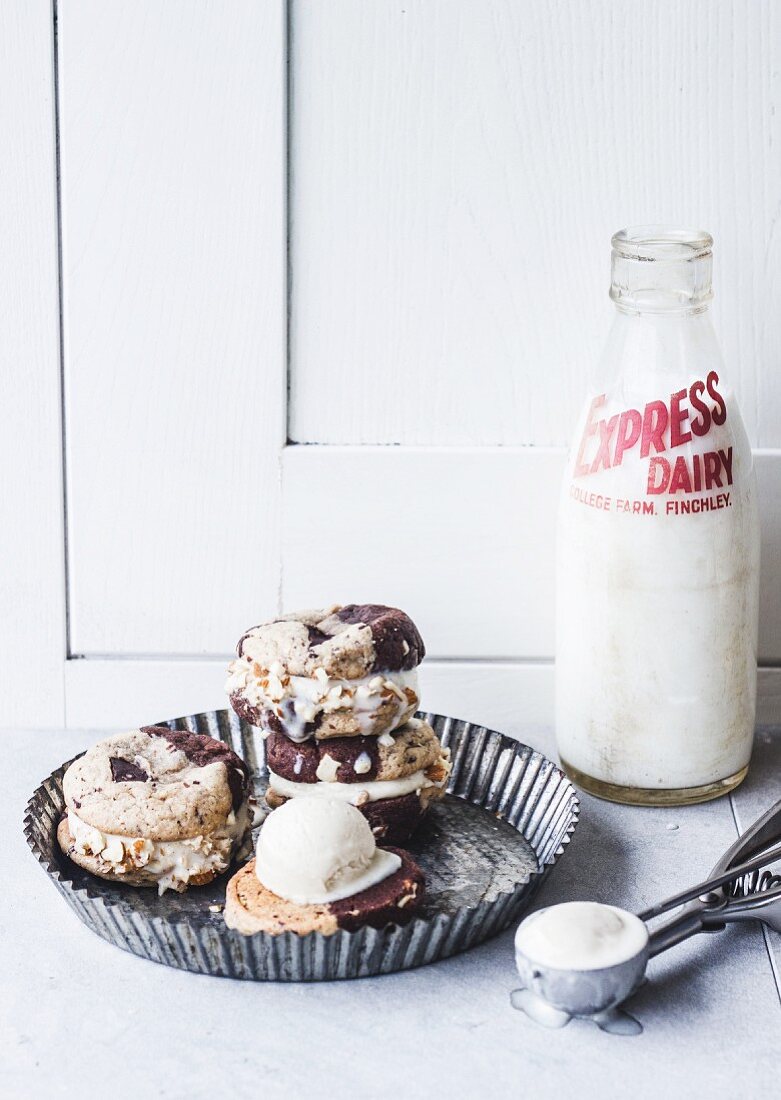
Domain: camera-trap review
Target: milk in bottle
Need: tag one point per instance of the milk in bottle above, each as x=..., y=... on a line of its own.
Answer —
x=658, y=546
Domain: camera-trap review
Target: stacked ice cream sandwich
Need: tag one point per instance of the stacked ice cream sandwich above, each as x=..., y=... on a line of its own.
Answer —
x=335, y=691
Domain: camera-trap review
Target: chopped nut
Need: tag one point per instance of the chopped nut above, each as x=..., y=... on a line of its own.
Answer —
x=114, y=851
x=437, y=773
x=327, y=769
x=275, y=688
x=362, y=764
x=198, y=880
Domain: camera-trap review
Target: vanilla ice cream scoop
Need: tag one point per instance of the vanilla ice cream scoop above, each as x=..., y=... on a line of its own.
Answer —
x=314, y=851
x=581, y=935
x=580, y=958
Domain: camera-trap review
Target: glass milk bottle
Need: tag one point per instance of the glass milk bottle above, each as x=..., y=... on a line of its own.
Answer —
x=658, y=546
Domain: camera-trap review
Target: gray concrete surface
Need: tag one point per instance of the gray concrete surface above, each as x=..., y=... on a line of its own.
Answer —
x=78, y=1018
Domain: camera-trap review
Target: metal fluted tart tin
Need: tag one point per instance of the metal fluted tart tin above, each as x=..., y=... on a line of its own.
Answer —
x=485, y=849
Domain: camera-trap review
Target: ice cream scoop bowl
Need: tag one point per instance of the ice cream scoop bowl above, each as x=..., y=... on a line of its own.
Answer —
x=583, y=992
x=580, y=958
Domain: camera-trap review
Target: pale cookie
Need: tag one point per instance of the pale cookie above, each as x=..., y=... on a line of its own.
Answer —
x=156, y=807
x=342, y=672
x=345, y=642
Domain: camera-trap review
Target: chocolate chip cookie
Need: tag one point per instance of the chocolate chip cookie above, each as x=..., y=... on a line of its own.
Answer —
x=337, y=672
x=155, y=807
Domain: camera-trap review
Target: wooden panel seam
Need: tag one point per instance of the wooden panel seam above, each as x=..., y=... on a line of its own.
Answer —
x=31, y=506
x=513, y=696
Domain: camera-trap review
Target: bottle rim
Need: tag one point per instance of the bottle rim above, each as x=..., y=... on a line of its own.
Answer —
x=662, y=242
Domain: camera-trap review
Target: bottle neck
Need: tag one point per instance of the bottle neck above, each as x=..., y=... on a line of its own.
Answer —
x=659, y=270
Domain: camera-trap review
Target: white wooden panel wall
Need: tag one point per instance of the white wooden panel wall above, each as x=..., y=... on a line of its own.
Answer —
x=460, y=166
x=463, y=537
x=173, y=153
x=455, y=169
x=32, y=605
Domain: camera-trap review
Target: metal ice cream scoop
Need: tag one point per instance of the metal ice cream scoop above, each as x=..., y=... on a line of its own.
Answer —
x=738, y=889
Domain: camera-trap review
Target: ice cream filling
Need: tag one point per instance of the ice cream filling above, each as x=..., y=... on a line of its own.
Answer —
x=355, y=793
x=173, y=863
x=298, y=701
x=352, y=878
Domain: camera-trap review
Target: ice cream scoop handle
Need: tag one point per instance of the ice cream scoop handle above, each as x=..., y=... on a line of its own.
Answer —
x=762, y=860
x=683, y=925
